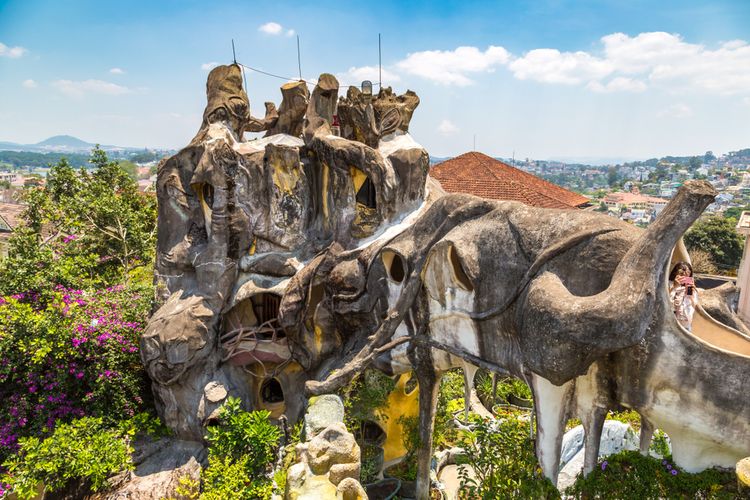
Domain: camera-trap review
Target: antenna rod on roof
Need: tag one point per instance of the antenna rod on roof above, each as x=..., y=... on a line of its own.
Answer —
x=380, y=65
x=234, y=55
x=299, y=59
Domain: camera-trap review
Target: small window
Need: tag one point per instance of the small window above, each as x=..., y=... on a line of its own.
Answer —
x=366, y=194
x=458, y=270
x=208, y=194
x=394, y=266
x=266, y=307
x=271, y=391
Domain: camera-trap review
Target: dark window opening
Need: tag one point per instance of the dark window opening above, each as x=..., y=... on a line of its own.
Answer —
x=372, y=433
x=410, y=385
x=208, y=194
x=266, y=309
x=271, y=391
x=366, y=194
x=394, y=266
x=458, y=270
x=397, y=269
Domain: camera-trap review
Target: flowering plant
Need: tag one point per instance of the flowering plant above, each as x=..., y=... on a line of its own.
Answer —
x=69, y=355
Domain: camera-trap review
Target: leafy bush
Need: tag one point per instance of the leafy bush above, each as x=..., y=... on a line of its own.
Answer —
x=241, y=451
x=81, y=230
x=631, y=475
x=450, y=401
x=367, y=394
x=74, y=355
x=502, y=457
x=86, y=449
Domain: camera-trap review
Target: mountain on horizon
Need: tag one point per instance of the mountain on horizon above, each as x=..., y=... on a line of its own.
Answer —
x=65, y=141
x=61, y=144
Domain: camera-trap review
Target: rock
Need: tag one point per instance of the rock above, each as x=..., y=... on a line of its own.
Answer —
x=322, y=412
x=743, y=475
x=313, y=488
x=572, y=443
x=335, y=445
x=616, y=436
x=350, y=489
x=158, y=476
x=215, y=392
x=339, y=472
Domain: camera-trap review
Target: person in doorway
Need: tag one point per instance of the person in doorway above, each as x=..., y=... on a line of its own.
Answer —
x=683, y=294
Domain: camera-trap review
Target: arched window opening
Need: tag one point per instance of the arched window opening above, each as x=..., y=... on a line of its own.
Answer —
x=366, y=194
x=208, y=194
x=372, y=433
x=271, y=391
x=458, y=270
x=266, y=309
x=394, y=266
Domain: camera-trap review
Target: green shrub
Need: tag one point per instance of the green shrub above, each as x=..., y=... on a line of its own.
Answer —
x=83, y=450
x=241, y=451
x=450, y=401
x=367, y=394
x=629, y=475
x=502, y=457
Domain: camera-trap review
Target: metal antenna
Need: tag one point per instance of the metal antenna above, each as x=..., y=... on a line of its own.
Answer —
x=299, y=59
x=380, y=65
x=234, y=55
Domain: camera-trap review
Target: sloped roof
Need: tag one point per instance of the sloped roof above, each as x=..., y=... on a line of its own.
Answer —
x=10, y=213
x=478, y=174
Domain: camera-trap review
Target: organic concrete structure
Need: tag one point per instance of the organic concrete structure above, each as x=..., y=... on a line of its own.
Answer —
x=295, y=261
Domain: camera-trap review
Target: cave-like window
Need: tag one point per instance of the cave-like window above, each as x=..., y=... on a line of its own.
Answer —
x=458, y=270
x=208, y=194
x=366, y=194
x=266, y=307
x=271, y=391
x=394, y=266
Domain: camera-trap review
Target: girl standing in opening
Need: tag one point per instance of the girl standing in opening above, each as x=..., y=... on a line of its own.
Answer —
x=682, y=294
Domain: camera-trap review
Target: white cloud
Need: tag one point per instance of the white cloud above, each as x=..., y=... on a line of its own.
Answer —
x=617, y=84
x=355, y=76
x=450, y=67
x=290, y=32
x=679, y=110
x=447, y=128
x=662, y=59
x=117, y=71
x=29, y=84
x=271, y=28
x=80, y=88
x=12, y=52
x=209, y=65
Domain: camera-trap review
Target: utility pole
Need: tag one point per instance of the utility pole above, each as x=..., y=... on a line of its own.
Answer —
x=299, y=59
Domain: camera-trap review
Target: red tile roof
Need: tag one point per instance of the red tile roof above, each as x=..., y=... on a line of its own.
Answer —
x=11, y=213
x=478, y=174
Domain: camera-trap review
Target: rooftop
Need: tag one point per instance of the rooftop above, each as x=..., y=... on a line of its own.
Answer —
x=478, y=174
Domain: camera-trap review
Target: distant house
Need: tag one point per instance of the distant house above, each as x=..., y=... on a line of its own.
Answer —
x=10, y=218
x=478, y=174
x=637, y=201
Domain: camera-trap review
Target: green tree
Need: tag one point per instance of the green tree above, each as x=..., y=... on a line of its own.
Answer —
x=695, y=162
x=718, y=237
x=612, y=176
x=81, y=229
x=735, y=212
x=129, y=167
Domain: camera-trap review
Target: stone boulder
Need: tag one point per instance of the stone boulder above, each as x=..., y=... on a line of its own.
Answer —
x=616, y=437
x=323, y=411
x=162, y=464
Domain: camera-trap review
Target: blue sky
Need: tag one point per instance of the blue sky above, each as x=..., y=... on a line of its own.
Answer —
x=541, y=79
